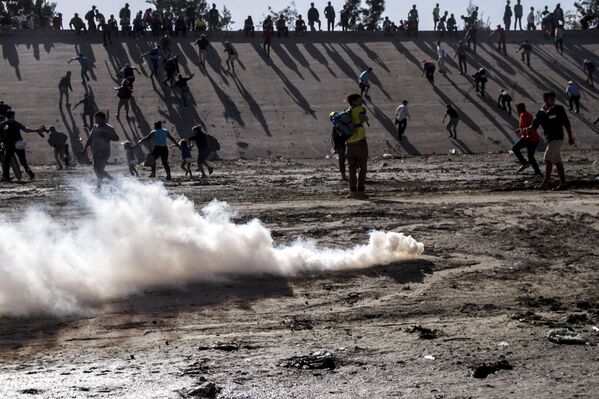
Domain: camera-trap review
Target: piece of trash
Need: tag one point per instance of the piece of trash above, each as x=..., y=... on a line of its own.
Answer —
x=455, y=151
x=565, y=336
x=297, y=324
x=484, y=370
x=429, y=357
x=227, y=346
x=425, y=333
x=316, y=360
x=503, y=343
x=206, y=390
x=387, y=156
x=594, y=328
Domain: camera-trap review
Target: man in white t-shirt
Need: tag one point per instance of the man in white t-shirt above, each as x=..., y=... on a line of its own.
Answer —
x=441, y=54
x=401, y=118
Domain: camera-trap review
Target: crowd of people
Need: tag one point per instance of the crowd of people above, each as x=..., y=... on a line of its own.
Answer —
x=193, y=19
x=349, y=126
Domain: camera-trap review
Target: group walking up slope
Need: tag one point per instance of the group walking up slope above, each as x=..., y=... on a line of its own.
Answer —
x=279, y=105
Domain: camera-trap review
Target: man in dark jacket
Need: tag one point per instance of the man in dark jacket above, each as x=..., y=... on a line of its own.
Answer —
x=329, y=14
x=553, y=118
x=313, y=16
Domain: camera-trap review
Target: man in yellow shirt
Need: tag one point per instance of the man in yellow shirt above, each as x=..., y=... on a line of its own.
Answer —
x=357, y=148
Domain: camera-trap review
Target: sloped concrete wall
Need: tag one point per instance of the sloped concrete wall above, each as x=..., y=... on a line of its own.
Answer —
x=280, y=106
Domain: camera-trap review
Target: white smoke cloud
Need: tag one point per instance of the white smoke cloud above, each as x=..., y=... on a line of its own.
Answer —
x=138, y=236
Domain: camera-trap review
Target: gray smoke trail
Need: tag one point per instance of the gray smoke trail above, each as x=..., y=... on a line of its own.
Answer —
x=138, y=236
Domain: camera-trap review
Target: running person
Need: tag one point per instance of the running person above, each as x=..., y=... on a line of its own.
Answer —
x=159, y=137
x=529, y=139
x=231, y=56
x=454, y=119
x=204, y=151
x=128, y=73
x=364, y=82
x=202, y=44
x=181, y=84
x=428, y=69
x=401, y=118
x=171, y=67
x=99, y=141
x=553, y=118
x=124, y=92
x=86, y=66
x=63, y=88
x=154, y=59
x=89, y=109
x=59, y=142
x=10, y=135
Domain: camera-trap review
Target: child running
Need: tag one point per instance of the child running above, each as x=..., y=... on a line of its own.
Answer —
x=131, y=159
x=59, y=142
x=186, y=158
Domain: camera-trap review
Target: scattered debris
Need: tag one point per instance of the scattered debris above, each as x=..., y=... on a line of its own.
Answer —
x=484, y=370
x=527, y=317
x=565, y=336
x=503, y=343
x=577, y=318
x=425, y=333
x=227, y=346
x=296, y=324
x=353, y=297
x=206, y=390
x=317, y=360
x=541, y=301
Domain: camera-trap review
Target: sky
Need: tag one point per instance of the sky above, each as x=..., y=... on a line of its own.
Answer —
x=395, y=9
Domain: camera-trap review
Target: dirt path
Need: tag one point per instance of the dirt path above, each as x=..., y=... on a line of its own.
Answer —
x=503, y=265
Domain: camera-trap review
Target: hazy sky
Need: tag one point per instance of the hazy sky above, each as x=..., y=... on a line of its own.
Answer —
x=395, y=9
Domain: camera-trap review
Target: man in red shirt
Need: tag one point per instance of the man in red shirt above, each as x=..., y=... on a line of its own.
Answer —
x=501, y=38
x=529, y=139
x=267, y=41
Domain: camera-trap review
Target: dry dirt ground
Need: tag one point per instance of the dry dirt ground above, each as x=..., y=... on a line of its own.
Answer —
x=503, y=264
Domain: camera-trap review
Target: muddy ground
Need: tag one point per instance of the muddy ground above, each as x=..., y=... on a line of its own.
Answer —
x=503, y=264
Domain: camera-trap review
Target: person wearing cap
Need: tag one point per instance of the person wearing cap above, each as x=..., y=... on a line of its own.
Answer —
x=573, y=93
x=505, y=101
x=364, y=82
x=401, y=118
x=553, y=118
